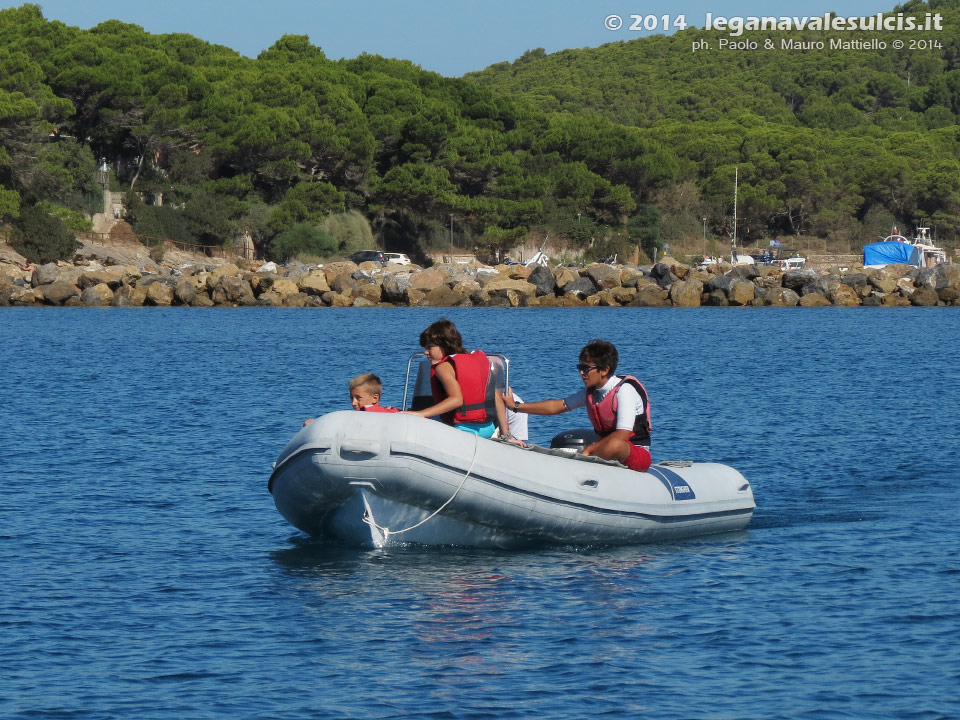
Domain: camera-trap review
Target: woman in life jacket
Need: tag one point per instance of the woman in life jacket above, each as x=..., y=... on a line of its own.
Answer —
x=618, y=407
x=459, y=383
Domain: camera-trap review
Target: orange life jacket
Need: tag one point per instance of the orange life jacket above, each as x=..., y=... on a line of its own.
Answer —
x=379, y=408
x=603, y=414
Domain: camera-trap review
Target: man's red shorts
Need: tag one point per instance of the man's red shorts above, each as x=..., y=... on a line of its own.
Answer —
x=639, y=458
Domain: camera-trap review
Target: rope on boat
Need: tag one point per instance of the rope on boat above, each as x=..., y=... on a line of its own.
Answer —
x=387, y=532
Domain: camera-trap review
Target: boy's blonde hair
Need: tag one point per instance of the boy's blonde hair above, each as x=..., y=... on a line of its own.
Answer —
x=370, y=381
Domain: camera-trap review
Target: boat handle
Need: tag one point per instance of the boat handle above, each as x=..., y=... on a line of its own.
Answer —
x=371, y=447
x=590, y=483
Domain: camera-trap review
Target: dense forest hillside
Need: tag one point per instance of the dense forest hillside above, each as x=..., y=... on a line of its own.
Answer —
x=630, y=142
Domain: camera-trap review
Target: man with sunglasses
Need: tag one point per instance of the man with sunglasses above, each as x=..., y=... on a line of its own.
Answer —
x=618, y=407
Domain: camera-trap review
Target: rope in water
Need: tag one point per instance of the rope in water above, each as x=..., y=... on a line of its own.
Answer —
x=387, y=532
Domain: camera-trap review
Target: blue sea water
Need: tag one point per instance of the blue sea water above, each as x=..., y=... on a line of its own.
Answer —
x=146, y=574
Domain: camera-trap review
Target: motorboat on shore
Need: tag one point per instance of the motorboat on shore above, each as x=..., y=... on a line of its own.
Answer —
x=897, y=248
x=378, y=479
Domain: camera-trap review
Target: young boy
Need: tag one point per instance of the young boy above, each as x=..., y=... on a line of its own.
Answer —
x=618, y=407
x=365, y=395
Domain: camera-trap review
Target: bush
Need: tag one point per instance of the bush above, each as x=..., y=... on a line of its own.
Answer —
x=302, y=238
x=42, y=237
x=350, y=231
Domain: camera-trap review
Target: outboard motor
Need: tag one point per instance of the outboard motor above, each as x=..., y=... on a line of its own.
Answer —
x=573, y=441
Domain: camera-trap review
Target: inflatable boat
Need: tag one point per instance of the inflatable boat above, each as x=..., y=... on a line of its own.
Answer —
x=378, y=479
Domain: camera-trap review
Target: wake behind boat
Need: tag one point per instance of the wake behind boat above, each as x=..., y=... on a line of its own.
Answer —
x=376, y=479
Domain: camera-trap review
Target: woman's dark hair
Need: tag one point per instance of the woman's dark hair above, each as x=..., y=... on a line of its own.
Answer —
x=600, y=353
x=444, y=334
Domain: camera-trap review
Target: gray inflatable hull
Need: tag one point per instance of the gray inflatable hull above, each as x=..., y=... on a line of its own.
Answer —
x=376, y=479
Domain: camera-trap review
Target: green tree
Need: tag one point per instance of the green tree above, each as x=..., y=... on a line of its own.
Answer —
x=302, y=239
x=41, y=236
x=644, y=229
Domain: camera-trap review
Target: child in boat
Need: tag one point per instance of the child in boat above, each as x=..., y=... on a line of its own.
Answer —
x=365, y=392
x=458, y=380
x=618, y=407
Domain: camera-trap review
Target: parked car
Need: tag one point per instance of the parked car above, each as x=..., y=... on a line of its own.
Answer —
x=368, y=256
x=398, y=258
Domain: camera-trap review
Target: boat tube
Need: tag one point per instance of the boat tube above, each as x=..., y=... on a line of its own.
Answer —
x=377, y=479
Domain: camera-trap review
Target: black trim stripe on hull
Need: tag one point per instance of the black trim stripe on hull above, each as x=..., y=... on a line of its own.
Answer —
x=532, y=494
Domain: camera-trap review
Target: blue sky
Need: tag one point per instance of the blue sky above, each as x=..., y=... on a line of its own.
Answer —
x=451, y=37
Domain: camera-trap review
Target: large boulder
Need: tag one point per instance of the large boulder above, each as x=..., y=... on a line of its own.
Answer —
x=314, y=283
x=368, y=291
x=394, y=288
x=332, y=270
x=741, y=292
x=857, y=281
x=269, y=299
x=514, y=291
x=948, y=295
x=883, y=280
x=7, y=289
x=429, y=279
x=445, y=296
x=130, y=296
x=160, y=293
x=924, y=296
x=45, y=274
x=623, y=295
x=581, y=288
x=948, y=276
x=803, y=281
x=186, y=290
x=58, y=292
x=686, y=293
x=650, y=296
x=513, y=272
x=111, y=277
x=745, y=272
x=846, y=295
x=223, y=271
x=344, y=283
x=231, y=290
x=296, y=299
x=563, y=276
x=813, y=299
x=284, y=286
x=97, y=296
x=721, y=282
x=542, y=278
x=604, y=276
x=715, y=298
x=663, y=275
x=631, y=276
x=927, y=277
x=778, y=296
x=895, y=300
x=335, y=299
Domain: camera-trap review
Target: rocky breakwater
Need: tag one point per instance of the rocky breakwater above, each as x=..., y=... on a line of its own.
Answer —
x=345, y=284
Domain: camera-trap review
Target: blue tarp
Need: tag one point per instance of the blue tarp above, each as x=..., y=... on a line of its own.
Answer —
x=886, y=253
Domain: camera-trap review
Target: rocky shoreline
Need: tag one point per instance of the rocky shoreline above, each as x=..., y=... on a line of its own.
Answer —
x=344, y=284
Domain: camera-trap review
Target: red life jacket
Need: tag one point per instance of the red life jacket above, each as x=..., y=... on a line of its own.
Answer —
x=379, y=408
x=603, y=414
x=473, y=374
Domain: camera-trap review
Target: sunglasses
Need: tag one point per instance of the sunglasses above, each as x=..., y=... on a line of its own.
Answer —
x=584, y=368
